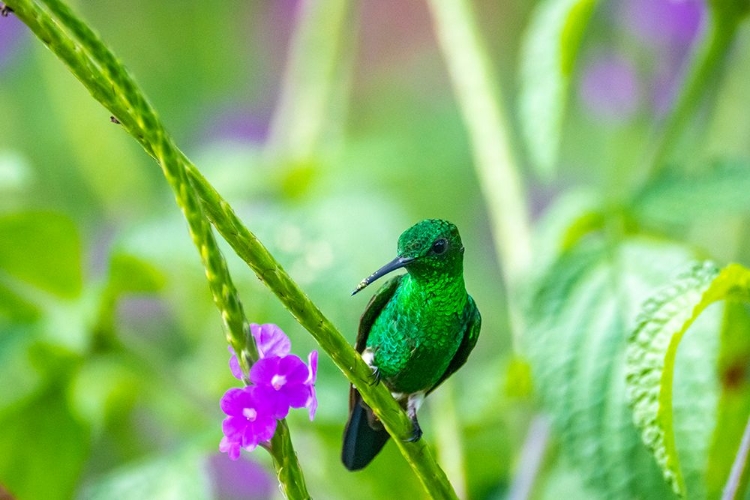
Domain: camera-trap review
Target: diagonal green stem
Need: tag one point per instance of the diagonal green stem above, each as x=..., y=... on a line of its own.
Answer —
x=134, y=111
x=96, y=67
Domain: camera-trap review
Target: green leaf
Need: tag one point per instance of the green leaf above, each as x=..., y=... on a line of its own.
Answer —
x=44, y=447
x=130, y=274
x=548, y=54
x=181, y=474
x=579, y=316
x=42, y=249
x=734, y=404
x=676, y=199
x=19, y=378
x=652, y=352
x=15, y=307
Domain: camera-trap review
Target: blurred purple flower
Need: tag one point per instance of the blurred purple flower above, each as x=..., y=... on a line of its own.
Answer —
x=11, y=32
x=250, y=420
x=239, y=479
x=238, y=124
x=663, y=21
x=281, y=381
x=609, y=88
x=668, y=28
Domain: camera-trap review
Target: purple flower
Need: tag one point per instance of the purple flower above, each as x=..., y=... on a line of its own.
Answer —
x=609, y=88
x=278, y=381
x=234, y=364
x=663, y=21
x=250, y=420
x=286, y=382
x=271, y=340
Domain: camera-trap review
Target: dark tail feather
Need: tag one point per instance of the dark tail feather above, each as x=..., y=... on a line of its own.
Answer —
x=361, y=441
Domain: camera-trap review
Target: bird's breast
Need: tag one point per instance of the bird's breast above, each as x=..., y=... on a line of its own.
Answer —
x=413, y=342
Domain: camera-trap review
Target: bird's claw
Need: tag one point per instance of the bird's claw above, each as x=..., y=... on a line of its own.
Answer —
x=416, y=432
x=375, y=376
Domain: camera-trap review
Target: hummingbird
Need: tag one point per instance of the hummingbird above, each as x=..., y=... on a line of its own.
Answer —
x=415, y=332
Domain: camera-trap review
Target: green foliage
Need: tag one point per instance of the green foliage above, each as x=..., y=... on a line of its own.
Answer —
x=581, y=311
x=549, y=52
x=720, y=190
x=651, y=357
x=111, y=353
x=43, y=250
x=48, y=442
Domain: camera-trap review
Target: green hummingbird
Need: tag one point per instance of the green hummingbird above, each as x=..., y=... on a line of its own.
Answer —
x=415, y=332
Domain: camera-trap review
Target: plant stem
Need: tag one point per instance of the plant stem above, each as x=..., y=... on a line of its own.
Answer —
x=108, y=81
x=737, y=482
x=269, y=271
x=486, y=120
x=720, y=30
x=288, y=471
x=302, y=116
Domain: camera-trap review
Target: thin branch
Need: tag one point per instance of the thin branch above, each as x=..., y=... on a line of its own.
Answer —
x=738, y=475
x=483, y=111
x=108, y=81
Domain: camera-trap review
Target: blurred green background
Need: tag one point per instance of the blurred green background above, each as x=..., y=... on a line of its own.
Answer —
x=112, y=357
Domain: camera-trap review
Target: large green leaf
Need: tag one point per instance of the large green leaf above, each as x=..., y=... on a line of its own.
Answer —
x=131, y=274
x=180, y=474
x=548, y=55
x=677, y=199
x=42, y=249
x=652, y=356
x=579, y=317
x=44, y=447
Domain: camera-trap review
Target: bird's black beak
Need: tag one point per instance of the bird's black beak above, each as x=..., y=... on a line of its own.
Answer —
x=396, y=263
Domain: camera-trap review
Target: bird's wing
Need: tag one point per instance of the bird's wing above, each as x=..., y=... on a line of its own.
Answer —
x=471, y=334
x=376, y=304
x=364, y=435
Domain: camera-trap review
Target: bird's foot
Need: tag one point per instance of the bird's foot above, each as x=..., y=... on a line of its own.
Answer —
x=375, y=375
x=416, y=432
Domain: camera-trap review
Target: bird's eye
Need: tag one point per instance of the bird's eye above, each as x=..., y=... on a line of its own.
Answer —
x=440, y=246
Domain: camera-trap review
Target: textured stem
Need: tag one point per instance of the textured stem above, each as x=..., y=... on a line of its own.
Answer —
x=286, y=464
x=486, y=120
x=135, y=109
x=270, y=272
x=96, y=67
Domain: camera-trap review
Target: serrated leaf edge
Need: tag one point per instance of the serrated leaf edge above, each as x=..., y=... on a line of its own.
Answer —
x=652, y=350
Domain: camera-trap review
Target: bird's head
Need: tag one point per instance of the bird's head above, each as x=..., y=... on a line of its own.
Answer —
x=428, y=248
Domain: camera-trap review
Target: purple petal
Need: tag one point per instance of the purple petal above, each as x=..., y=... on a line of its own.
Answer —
x=312, y=362
x=234, y=365
x=293, y=369
x=275, y=402
x=233, y=427
x=264, y=428
x=271, y=340
x=264, y=370
x=233, y=401
x=230, y=447
x=312, y=403
x=297, y=395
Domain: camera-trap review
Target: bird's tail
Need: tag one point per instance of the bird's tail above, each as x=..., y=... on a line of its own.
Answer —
x=364, y=435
